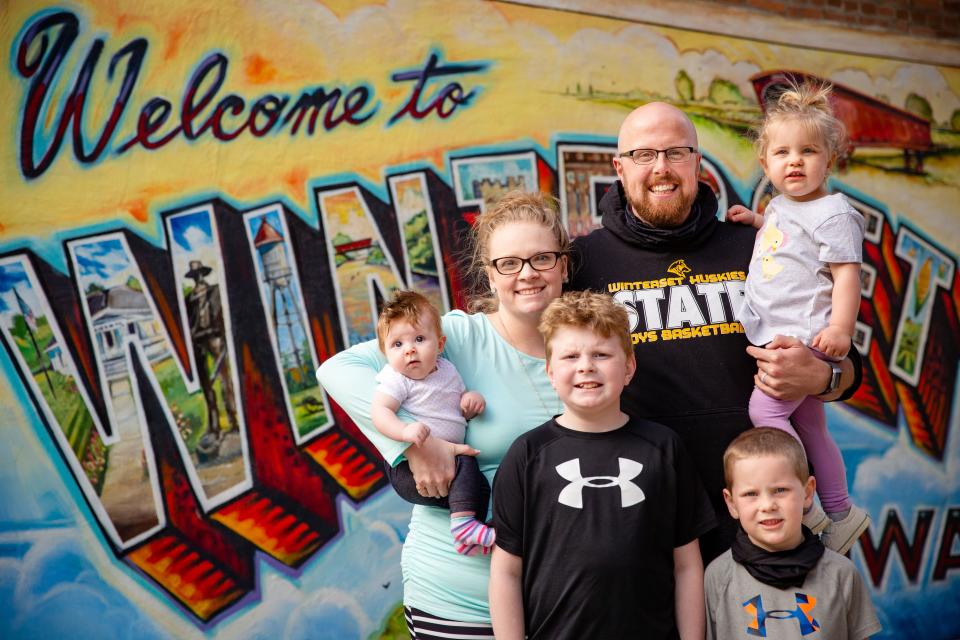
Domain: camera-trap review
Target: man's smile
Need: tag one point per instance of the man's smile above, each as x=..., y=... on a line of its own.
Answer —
x=662, y=188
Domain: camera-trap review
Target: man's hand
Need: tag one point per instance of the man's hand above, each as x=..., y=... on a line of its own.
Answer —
x=471, y=404
x=433, y=465
x=788, y=370
x=416, y=433
x=739, y=213
x=833, y=341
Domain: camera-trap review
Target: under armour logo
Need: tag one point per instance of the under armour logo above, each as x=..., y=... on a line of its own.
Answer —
x=803, y=614
x=572, y=494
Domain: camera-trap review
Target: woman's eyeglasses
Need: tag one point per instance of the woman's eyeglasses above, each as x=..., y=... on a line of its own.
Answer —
x=509, y=265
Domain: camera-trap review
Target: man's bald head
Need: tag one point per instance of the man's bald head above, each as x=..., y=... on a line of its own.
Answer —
x=651, y=116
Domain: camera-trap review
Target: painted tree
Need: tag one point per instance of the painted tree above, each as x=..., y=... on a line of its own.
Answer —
x=955, y=120
x=340, y=238
x=376, y=257
x=684, y=86
x=724, y=92
x=421, y=249
x=919, y=105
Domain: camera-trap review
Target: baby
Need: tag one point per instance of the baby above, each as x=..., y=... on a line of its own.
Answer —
x=430, y=389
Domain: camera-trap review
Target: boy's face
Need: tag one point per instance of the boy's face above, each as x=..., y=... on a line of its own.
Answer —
x=588, y=371
x=768, y=499
x=412, y=349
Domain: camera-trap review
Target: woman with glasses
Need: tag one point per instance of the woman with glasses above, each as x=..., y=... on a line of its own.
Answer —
x=518, y=257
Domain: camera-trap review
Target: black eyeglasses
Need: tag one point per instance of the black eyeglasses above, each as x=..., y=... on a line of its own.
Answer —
x=509, y=265
x=675, y=155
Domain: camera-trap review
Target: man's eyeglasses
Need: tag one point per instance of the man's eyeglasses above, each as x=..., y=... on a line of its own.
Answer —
x=675, y=155
x=509, y=265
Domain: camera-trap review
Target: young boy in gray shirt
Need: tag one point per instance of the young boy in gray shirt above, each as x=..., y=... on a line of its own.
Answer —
x=778, y=580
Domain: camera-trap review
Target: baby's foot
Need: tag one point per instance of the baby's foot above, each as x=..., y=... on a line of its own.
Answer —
x=468, y=531
x=472, y=549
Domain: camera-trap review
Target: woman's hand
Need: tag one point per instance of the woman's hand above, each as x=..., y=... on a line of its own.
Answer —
x=433, y=465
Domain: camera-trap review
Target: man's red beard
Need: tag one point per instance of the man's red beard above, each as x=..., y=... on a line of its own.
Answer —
x=666, y=215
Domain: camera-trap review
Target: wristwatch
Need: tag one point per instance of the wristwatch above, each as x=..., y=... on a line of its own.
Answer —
x=834, y=383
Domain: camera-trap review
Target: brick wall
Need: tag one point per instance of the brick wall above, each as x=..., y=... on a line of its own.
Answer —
x=926, y=18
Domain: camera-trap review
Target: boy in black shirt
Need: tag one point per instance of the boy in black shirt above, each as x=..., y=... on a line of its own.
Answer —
x=597, y=513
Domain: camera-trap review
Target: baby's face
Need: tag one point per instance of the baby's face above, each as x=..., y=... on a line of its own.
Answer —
x=412, y=349
x=768, y=499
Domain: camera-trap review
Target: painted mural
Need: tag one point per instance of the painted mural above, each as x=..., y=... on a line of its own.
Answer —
x=203, y=201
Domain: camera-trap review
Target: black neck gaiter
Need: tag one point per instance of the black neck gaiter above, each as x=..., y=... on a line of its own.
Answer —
x=780, y=569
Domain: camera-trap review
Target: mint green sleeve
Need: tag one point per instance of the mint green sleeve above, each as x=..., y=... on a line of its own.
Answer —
x=349, y=378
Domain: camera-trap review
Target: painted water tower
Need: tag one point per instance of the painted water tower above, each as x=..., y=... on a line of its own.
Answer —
x=283, y=304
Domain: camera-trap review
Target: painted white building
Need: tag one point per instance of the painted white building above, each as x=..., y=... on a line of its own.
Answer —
x=120, y=314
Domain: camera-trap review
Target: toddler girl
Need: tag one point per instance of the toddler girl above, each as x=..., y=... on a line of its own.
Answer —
x=804, y=281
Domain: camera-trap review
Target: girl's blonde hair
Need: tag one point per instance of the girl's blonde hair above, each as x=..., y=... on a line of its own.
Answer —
x=515, y=206
x=810, y=104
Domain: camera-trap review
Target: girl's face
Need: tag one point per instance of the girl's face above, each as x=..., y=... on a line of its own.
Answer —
x=797, y=161
x=528, y=292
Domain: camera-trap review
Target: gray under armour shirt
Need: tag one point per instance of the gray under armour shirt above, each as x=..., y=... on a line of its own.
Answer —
x=833, y=603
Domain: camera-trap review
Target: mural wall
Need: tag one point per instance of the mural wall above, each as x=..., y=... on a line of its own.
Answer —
x=203, y=201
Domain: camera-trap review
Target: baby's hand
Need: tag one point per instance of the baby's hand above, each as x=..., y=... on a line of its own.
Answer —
x=833, y=341
x=416, y=432
x=739, y=213
x=471, y=404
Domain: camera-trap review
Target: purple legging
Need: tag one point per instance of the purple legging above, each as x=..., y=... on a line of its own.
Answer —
x=806, y=421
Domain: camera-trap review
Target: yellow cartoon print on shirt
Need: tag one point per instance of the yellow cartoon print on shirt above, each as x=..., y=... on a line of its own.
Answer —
x=769, y=267
x=771, y=238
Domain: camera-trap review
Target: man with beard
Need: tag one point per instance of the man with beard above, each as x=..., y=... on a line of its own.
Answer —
x=679, y=272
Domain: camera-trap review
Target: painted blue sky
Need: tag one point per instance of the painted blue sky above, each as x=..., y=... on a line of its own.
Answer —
x=192, y=239
x=12, y=274
x=102, y=261
x=192, y=231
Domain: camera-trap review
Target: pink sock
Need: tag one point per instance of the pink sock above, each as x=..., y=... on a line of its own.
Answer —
x=468, y=531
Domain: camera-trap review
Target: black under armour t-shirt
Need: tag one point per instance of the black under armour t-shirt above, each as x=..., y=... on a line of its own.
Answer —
x=596, y=517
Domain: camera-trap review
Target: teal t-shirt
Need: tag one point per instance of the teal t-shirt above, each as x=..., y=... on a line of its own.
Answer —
x=518, y=396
